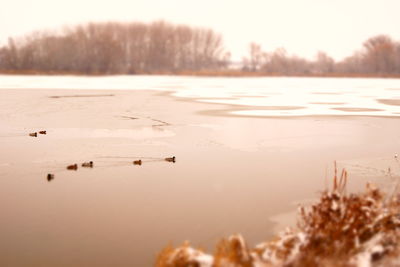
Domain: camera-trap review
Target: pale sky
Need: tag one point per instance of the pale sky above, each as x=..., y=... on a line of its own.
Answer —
x=303, y=27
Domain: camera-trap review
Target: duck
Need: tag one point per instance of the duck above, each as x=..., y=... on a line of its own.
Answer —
x=88, y=164
x=50, y=177
x=137, y=162
x=33, y=134
x=72, y=167
x=42, y=132
x=171, y=159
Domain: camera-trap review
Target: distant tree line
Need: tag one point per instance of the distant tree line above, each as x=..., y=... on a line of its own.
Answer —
x=116, y=48
x=162, y=47
x=380, y=55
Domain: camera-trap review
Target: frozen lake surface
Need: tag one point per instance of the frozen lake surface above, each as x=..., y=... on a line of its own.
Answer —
x=248, y=151
x=270, y=96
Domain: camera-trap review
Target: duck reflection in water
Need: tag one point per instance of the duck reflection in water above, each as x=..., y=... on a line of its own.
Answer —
x=50, y=177
x=171, y=159
x=88, y=164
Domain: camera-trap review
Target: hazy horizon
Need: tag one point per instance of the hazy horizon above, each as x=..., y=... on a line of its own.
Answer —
x=301, y=27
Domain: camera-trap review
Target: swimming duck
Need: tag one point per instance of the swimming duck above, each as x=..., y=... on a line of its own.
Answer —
x=42, y=132
x=172, y=159
x=50, y=177
x=137, y=162
x=72, y=167
x=33, y=134
x=88, y=164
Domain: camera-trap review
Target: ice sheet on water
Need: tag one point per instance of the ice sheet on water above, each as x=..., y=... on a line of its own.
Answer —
x=310, y=96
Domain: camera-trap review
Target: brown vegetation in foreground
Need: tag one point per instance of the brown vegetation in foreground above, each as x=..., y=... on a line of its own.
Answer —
x=340, y=230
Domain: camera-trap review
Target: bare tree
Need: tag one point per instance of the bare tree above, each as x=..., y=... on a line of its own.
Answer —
x=323, y=63
x=107, y=48
x=256, y=56
x=379, y=54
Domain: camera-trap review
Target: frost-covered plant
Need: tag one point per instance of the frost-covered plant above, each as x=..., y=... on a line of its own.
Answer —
x=340, y=230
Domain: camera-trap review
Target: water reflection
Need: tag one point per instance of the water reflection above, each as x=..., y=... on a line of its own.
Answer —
x=138, y=133
x=390, y=102
x=50, y=177
x=111, y=163
x=119, y=213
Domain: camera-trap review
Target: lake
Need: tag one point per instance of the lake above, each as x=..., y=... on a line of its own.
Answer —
x=248, y=151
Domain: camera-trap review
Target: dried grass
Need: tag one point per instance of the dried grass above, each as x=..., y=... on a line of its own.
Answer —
x=206, y=73
x=340, y=230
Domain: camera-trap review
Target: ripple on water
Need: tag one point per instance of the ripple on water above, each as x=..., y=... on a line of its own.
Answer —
x=327, y=103
x=139, y=133
x=282, y=107
x=390, y=102
x=355, y=109
x=327, y=93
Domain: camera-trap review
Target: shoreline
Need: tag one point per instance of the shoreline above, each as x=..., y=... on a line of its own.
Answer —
x=211, y=73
